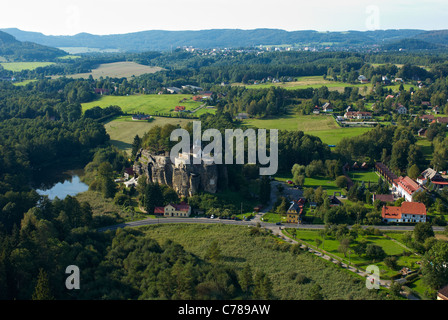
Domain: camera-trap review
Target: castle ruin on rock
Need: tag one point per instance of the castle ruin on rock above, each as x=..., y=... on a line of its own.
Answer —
x=185, y=179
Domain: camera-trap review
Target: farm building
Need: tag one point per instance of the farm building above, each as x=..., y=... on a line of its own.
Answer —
x=401, y=109
x=179, y=108
x=141, y=117
x=174, y=210
x=406, y=187
x=408, y=212
x=358, y=115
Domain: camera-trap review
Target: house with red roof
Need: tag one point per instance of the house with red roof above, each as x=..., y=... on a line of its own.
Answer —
x=408, y=212
x=405, y=187
x=179, y=108
x=174, y=210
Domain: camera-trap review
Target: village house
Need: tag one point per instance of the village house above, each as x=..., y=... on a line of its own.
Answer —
x=242, y=116
x=443, y=120
x=385, y=80
x=327, y=107
x=174, y=210
x=173, y=90
x=436, y=110
x=316, y=110
x=179, y=108
x=140, y=117
x=383, y=198
x=295, y=210
x=101, y=91
x=408, y=212
x=363, y=79
x=385, y=172
x=401, y=109
x=360, y=115
x=427, y=117
x=406, y=187
x=431, y=178
x=421, y=132
x=128, y=173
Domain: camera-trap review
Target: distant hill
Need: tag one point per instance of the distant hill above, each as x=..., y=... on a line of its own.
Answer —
x=222, y=38
x=14, y=50
x=412, y=44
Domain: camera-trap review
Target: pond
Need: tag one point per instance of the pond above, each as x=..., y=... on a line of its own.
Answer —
x=53, y=184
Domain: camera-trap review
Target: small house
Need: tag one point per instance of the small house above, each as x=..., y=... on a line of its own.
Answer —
x=401, y=109
x=179, y=108
x=421, y=132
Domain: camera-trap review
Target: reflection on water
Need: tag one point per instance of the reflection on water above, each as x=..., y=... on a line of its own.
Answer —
x=57, y=184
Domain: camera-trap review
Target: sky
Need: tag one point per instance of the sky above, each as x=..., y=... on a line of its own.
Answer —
x=65, y=17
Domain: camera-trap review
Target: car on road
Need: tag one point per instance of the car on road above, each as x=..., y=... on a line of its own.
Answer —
x=288, y=181
x=278, y=223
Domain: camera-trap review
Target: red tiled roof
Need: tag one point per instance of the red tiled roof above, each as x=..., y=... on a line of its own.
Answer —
x=181, y=206
x=159, y=210
x=391, y=212
x=406, y=208
x=413, y=208
x=384, y=197
x=409, y=185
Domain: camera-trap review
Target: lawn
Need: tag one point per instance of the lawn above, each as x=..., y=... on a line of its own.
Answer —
x=20, y=66
x=389, y=246
x=364, y=176
x=122, y=130
x=308, y=82
x=426, y=148
x=148, y=104
x=124, y=69
x=322, y=126
x=313, y=182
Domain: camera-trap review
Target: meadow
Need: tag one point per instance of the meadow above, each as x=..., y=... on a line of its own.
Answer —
x=122, y=130
x=125, y=69
x=292, y=275
x=390, y=246
x=316, y=82
x=20, y=66
x=322, y=126
x=148, y=103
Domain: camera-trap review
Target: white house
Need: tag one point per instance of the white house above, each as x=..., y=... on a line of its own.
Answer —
x=401, y=109
x=408, y=212
x=405, y=187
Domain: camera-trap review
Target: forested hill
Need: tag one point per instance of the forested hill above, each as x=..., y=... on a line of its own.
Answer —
x=14, y=50
x=221, y=38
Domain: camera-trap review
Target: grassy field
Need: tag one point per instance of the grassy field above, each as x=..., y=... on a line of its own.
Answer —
x=122, y=130
x=308, y=82
x=390, y=247
x=23, y=83
x=425, y=146
x=322, y=126
x=313, y=182
x=263, y=253
x=125, y=69
x=366, y=176
x=148, y=103
x=19, y=66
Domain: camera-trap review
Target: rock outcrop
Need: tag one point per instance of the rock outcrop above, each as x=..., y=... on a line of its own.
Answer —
x=185, y=179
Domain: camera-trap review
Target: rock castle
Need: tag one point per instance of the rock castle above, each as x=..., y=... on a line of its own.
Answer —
x=185, y=179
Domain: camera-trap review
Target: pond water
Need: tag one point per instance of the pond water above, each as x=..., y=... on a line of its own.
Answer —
x=60, y=184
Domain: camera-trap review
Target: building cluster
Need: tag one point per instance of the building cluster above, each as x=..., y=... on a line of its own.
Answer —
x=405, y=187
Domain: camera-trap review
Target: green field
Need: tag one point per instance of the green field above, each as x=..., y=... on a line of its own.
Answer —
x=322, y=126
x=364, y=176
x=19, y=66
x=23, y=83
x=148, y=104
x=124, y=69
x=263, y=253
x=122, y=130
x=390, y=247
x=308, y=82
